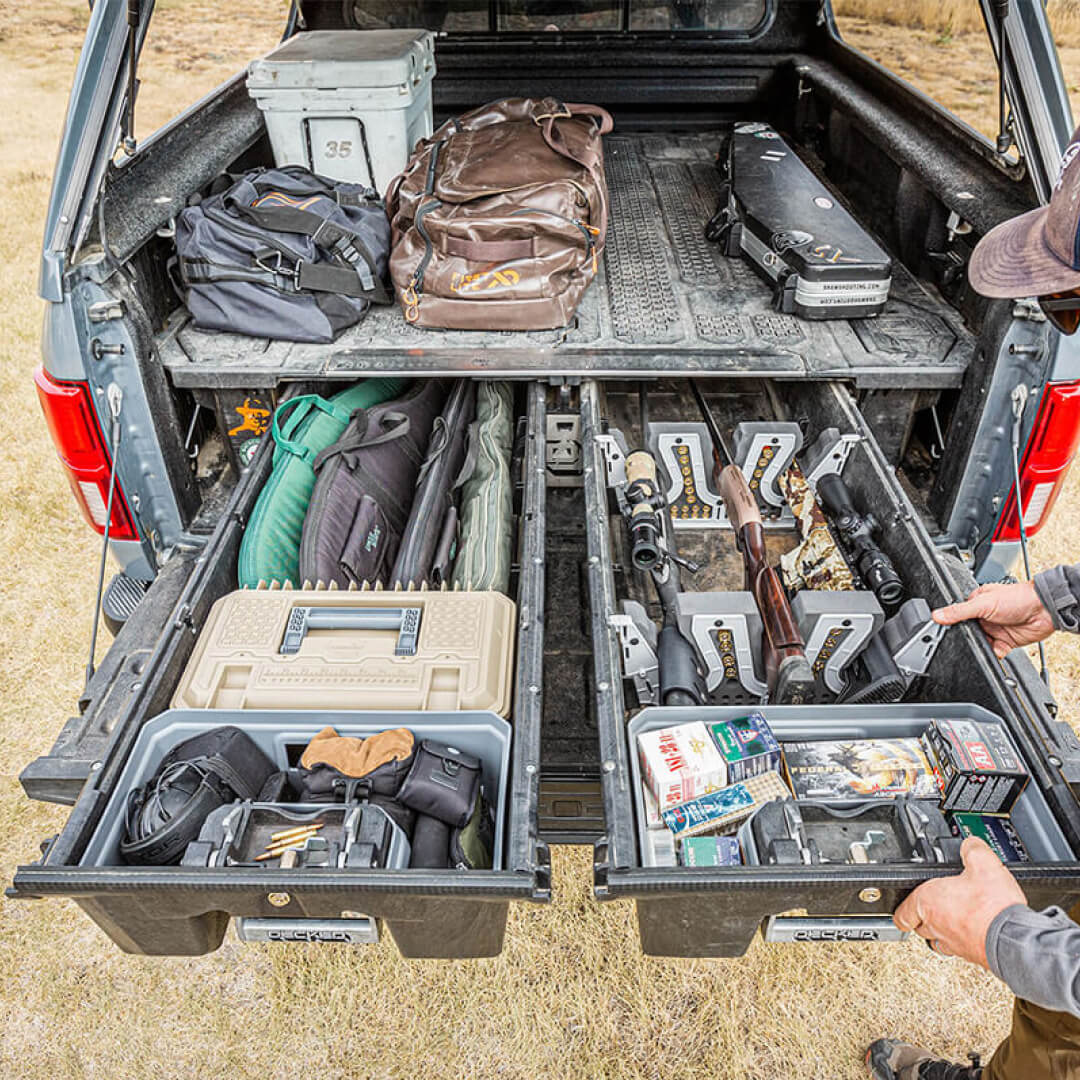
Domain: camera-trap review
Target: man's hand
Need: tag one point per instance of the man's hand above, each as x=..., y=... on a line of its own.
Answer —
x=955, y=913
x=1010, y=615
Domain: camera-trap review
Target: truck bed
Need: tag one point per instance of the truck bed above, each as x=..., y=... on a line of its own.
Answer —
x=667, y=301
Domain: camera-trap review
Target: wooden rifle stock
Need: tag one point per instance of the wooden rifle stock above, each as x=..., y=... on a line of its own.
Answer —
x=787, y=671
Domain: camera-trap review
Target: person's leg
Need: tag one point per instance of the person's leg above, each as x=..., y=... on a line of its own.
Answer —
x=1042, y=1045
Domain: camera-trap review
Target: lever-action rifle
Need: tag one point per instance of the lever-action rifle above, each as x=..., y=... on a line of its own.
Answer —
x=787, y=671
x=651, y=550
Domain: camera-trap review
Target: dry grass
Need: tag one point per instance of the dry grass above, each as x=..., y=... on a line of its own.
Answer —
x=941, y=47
x=570, y=996
x=950, y=17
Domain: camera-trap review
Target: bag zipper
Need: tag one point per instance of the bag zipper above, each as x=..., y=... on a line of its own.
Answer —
x=411, y=296
x=590, y=232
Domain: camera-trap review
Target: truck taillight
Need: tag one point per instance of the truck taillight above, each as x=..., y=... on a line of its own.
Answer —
x=80, y=445
x=1045, y=464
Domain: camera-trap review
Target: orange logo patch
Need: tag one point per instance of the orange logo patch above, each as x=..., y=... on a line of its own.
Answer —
x=253, y=417
x=502, y=277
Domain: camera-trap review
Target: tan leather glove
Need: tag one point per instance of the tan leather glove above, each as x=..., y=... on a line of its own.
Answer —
x=357, y=757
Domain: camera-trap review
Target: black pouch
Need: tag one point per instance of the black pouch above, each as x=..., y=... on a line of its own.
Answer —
x=443, y=783
x=400, y=815
x=324, y=783
x=430, y=844
x=194, y=778
x=471, y=847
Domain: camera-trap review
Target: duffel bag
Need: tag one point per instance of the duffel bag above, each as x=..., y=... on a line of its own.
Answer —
x=363, y=489
x=500, y=217
x=283, y=254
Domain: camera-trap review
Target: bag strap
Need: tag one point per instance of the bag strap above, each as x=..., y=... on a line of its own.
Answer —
x=300, y=277
x=293, y=417
x=587, y=158
x=395, y=426
x=329, y=236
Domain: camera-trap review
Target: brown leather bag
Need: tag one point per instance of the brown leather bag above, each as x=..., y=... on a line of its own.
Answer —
x=500, y=217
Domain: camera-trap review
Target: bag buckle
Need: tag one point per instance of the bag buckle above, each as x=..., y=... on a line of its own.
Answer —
x=263, y=254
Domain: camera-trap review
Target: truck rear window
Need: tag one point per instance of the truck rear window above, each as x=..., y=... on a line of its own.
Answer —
x=563, y=16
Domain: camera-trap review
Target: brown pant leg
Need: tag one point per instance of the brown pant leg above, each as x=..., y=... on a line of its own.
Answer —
x=1042, y=1045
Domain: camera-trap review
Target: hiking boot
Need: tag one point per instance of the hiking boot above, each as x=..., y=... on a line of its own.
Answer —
x=890, y=1059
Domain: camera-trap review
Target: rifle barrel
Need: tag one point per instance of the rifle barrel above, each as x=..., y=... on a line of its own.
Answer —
x=719, y=446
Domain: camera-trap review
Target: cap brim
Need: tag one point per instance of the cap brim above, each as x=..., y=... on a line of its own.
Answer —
x=1012, y=260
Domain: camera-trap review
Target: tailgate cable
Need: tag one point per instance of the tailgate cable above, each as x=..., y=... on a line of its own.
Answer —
x=1019, y=401
x=115, y=398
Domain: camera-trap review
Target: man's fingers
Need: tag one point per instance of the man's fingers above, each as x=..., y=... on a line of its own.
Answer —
x=908, y=916
x=1001, y=646
x=978, y=856
x=976, y=606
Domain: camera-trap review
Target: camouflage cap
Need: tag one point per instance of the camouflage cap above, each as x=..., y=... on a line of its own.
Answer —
x=1039, y=252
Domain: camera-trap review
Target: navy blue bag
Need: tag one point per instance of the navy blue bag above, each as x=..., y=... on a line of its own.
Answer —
x=285, y=254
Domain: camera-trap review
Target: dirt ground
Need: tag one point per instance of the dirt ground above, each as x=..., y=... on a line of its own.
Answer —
x=571, y=995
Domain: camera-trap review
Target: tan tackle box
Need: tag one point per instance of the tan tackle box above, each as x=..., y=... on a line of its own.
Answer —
x=332, y=649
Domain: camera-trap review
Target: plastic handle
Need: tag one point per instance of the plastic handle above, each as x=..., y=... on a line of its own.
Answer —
x=353, y=619
x=405, y=620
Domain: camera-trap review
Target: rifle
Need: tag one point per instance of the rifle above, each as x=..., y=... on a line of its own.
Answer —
x=651, y=549
x=857, y=532
x=787, y=671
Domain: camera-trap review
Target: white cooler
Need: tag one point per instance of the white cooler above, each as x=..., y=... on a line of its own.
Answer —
x=348, y=104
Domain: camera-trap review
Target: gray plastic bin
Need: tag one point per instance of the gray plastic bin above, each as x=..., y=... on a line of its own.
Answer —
x=282, y=735
x=798, y=723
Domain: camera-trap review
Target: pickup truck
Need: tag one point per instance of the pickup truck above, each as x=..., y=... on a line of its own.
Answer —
x=938, y=402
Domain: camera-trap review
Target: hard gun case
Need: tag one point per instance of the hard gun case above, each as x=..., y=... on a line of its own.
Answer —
x=820, y=262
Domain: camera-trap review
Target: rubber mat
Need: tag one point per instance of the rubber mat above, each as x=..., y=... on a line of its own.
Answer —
x=667, y=302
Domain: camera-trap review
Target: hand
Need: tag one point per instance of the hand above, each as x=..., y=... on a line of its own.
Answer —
x=955, y=913
x=1010, y=615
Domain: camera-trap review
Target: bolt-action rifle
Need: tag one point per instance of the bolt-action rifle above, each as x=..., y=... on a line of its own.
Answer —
x=651, y=550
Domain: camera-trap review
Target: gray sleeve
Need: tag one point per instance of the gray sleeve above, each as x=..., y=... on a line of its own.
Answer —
x=1059, y=591
x=1037, y=955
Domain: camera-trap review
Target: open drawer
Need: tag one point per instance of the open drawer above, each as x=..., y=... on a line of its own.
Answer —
x=183, y=909
x=715, y=911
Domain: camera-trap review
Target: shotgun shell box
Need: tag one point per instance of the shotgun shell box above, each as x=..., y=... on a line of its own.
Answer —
x=860, y=769
x=976, y=766
x=998, y=832
x=747, y=745
x=710, y=851
x=680, y=763
x=722, y=811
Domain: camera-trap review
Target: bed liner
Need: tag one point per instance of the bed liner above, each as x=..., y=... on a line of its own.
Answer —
x=666, y=302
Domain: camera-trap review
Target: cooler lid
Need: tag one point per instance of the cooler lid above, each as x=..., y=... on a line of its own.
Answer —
x=331, y=59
